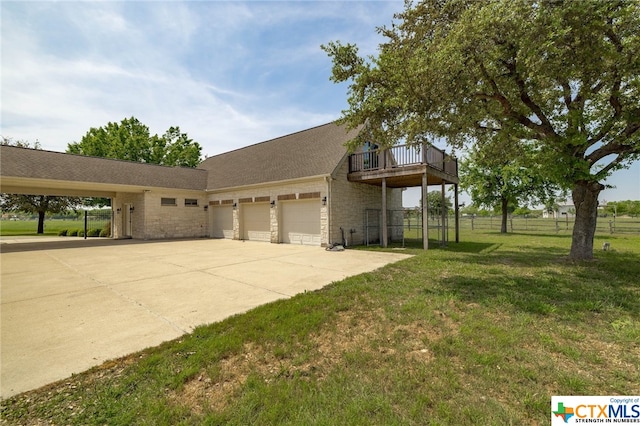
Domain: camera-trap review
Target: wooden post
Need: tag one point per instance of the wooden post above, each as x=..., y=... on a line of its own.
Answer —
x=384, y=213
x=457, y=213
x=444, y=216
x=425, y=213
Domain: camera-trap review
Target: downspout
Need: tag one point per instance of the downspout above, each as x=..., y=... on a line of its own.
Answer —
x=329, y=199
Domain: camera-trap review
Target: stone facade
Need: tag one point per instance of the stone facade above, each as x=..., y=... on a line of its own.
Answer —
x=275, y=192
x=151, y=218
x=158, y=213
x=345, y=206
x=348, y=204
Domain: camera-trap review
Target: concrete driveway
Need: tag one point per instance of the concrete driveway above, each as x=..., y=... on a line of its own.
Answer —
x=68, y=305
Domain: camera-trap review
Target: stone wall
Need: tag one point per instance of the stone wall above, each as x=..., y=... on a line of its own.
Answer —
x=152, y=220
x=348, y=203
x=187, y=218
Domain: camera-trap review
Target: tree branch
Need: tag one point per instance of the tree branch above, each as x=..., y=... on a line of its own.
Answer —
x=526, y=99
x=617, y=145
x=540, y=129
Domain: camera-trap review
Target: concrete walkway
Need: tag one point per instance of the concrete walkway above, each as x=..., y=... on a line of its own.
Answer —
x=70, y=304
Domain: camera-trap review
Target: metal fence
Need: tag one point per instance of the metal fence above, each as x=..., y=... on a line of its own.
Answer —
x=403, y=228
x=97, y=223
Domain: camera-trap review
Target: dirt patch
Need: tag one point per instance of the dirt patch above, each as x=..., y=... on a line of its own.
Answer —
x=366, y=331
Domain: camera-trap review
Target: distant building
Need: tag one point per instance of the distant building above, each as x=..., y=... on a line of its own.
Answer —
x=561, y=211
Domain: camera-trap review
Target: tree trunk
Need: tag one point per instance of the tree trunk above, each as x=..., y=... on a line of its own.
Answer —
x=41, y=222
x=505, y=214
x=585, y=200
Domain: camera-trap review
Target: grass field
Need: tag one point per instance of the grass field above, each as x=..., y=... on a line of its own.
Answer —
x=479, y=333
x=51, y=226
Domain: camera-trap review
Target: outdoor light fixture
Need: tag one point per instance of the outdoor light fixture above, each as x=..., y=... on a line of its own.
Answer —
x=131, y=208
x=273, y=203
x=206, y=208
x=235, y=206
x=324, y=201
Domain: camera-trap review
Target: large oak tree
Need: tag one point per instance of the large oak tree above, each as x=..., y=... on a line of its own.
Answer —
x=563, y=75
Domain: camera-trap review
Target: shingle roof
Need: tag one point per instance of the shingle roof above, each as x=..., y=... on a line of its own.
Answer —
x=313, y=152
x=40, y=164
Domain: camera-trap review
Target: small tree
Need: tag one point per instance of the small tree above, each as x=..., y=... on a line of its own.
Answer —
x=504, y=175
x=434, y=203
x=38, y=204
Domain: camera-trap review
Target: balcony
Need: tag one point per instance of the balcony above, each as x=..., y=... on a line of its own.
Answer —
x=403, y=166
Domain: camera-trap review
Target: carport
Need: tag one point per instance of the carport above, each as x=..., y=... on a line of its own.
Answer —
x=135, y=189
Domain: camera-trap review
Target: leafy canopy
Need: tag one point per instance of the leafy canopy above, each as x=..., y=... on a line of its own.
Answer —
x=503, y=172
x=130, y=140
x=562, y=74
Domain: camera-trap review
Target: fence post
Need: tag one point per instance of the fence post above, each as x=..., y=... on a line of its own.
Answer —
x=85, y=224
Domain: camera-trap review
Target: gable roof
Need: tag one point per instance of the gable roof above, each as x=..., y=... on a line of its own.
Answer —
x=25, y=163
x=313, y=152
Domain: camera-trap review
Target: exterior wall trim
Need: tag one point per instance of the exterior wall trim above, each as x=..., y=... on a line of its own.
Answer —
x=265, y=184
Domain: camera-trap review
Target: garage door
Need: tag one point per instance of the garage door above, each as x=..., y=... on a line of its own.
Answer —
x=256, y=222
x=222, y=222
x=301, y=222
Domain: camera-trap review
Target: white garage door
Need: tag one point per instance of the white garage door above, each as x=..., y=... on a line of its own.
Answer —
x=222, y=222
x=256, y=222
x=301, y=222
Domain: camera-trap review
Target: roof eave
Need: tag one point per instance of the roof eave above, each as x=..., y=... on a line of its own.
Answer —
x=271, y=183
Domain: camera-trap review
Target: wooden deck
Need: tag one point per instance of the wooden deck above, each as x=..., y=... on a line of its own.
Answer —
x=403, y=166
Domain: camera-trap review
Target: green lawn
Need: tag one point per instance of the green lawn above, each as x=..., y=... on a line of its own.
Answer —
x=51, y=226
x=480, y=333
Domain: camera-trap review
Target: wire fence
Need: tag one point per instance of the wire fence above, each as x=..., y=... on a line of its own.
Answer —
x=604, y=225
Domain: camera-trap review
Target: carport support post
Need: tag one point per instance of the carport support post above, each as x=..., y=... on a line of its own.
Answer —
x=85, y=224
x=384, y=213
x=425, y=213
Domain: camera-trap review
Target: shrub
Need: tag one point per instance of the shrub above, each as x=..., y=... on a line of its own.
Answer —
x=106, y=230
x=93, y=233
x=73, y=233
x=62, y=233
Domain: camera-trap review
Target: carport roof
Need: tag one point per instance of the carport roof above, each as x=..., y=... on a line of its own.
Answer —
x=23, y=164
x=313, y=152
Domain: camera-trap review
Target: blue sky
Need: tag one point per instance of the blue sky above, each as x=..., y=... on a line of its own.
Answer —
x=230, y=74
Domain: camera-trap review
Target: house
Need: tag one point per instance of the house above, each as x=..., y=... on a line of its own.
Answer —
x=303, y=188
x=561, y=211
